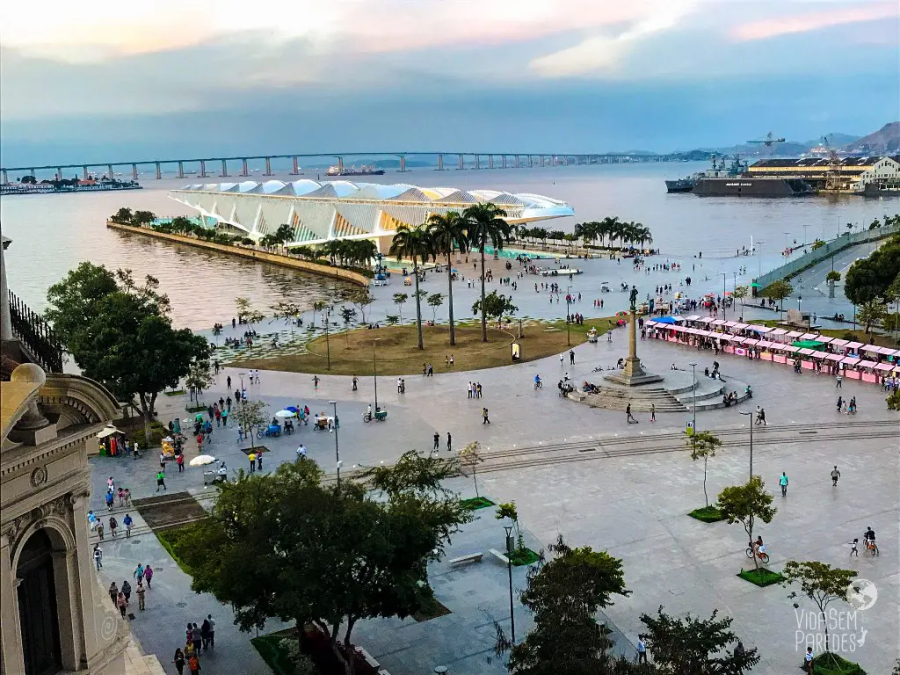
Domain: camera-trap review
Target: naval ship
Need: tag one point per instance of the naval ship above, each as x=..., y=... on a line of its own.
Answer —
x=689, y=183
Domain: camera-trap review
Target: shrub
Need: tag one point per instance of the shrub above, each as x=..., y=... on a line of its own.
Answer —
x=761, y=577
x=247, y=241
x=157, y=432
x=893, y=401
x=832, y=664
x=707, y=514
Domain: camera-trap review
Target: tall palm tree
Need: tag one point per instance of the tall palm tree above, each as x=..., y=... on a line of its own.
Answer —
x=413, y=243
x=448, y=231
x=484, y=225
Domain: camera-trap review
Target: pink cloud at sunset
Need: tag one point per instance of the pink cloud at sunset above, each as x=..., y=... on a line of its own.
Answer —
x=805, y=23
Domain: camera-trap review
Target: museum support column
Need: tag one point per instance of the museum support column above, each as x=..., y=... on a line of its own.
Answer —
x=13, y=659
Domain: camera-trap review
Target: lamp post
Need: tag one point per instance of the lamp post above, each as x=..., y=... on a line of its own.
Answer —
x=512, y=616
x=694, y=396
x=327, y=342
x=749, y=414
x=724, y=277
x=337, y=448
x=568, y=324
x=375, y=372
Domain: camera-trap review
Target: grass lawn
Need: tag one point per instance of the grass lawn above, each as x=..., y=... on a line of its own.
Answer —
x=523, y=556
x=832, y=664
x=708, y=514
x=761, y=577
x=432, y=609
x=173, y=539
x=397, y=354
x=177, y=392
x=476, y=503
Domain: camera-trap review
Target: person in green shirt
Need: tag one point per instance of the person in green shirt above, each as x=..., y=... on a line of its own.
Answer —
x=160, y=480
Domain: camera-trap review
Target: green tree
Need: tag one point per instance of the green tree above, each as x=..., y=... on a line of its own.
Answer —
x=495, y=306
x=871, y=313
x=242, y=305
x=392, y=319
x=870, y=278
x=778, y=290
x=362, y=299
x=485, y=225
x=249, y=416
x=399, y=299
x=199, y=377
x=821, y=583
x=564, y=595
x=470, y=457
x=120, y=335
x=348, y=314
x=435, y=300
x=142, y=218
x=318, y=306
x=338, y=555
x=741, y=292
x=703, y=445
x=509, y=511
x=448, y=231
x=693, y=646
x=416, y=244
x=123, y=216
x=284, y=234
x=745, y=504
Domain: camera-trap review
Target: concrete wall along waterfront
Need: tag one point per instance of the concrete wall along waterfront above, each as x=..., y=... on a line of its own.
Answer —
x=832, y=247
x=251, y=254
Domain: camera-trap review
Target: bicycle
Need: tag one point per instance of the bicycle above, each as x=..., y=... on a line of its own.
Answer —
x=762, y=555
x=539, y=384
x=872, y=548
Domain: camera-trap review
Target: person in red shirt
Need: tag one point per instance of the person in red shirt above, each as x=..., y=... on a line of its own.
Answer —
x=180, y=460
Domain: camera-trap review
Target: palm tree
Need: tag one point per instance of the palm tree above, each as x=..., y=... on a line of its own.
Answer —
x=448, y=231
x=484, y=224
x=414, y=243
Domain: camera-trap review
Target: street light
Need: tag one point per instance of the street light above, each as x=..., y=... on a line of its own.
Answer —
x=750, y=415
x=568, y=324
x=694, y=395
x=724, y=277
x=512, y=616
x=327, y=313
x=337, y=448
x=375, y=372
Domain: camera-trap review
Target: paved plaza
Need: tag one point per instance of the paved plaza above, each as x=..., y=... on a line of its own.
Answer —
x=631, y=506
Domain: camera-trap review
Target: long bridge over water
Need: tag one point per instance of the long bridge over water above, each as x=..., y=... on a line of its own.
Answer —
x=203, y=166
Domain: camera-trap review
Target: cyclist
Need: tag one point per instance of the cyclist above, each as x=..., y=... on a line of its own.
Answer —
x=869, y=539
x=537, y=382
x=758, y=546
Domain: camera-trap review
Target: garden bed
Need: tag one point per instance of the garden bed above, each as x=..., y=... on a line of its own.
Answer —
x=176, y=392
x=476, y=503
x=523, y=556
x=431, y=609
x=175, y=540
x=707, y=514
x=762, y=577
x=196, y=408
x=315, y=646
x=832, y=664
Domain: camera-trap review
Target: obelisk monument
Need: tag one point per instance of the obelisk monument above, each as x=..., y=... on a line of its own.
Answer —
x=633, y=374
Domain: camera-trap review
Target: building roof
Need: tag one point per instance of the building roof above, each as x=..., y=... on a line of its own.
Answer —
x=319, y=211
x=819, y=162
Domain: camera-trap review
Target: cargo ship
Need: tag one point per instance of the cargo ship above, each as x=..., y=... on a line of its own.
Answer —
x=742, y=186
x=353, y=171
x=718, y=170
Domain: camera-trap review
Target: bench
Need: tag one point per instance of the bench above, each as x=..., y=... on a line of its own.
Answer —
x=463, y=559
x=500, y=556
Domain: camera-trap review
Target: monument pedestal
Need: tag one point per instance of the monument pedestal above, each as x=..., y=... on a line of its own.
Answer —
x=633, y=374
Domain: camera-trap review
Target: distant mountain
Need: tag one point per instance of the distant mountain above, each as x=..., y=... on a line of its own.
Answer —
x=884, y=141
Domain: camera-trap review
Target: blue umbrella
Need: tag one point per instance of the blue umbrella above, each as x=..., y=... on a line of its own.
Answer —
x=665, y=319
x=292, y=409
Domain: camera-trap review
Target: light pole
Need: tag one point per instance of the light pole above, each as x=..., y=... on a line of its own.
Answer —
x=749, y=415
x=724, y=277
x=337, y=448
x=694, y=396
x=568, y=324
x=375, y=372
x=512, y=616
x=327, y=342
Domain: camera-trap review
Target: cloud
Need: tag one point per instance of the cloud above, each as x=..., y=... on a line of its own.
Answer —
x=601, y=52
x=814, y=21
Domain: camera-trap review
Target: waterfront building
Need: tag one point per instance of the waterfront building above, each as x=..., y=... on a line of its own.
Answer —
x=846, y=174
x=343, y=209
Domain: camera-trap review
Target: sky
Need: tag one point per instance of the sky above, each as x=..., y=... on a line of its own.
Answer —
x=128, y=81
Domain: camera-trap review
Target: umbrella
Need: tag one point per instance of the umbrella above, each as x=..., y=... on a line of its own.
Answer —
x=292, y=409
x=285, y=413
x=621, y=313
x=665, y=319
x=754, y=285
x=202, y=460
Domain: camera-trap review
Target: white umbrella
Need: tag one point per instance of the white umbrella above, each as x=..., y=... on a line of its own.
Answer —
x=285, y=413
x=202, y=460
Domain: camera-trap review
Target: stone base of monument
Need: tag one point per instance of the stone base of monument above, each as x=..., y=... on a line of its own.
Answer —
x=633, y=374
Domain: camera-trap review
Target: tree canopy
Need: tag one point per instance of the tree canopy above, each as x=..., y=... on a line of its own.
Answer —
x=820, y=582
x=745, y=504
x=495, y=306
x=869, y=279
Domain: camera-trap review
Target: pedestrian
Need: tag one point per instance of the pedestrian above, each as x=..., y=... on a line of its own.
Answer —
x=399, y=385
x=127, y=497
x=179, y=460
x=92, y=520
x=160, y=480
x=98, y=557
x=469, y=390
x=837, y=381
x=641, y=650
x=315, y=381
x=228, y=382
x=854, y=547
x=109, y=501
x=783, y=482
x=179, y=661
x=451, y=363
x=122, y=604
x=449, y=448
x=652, y=412
x=194, y=664
x=761, y=416
x=835, y=474
x=121, y=497
x=109, y=484
x=355, y=381
x=162, y=461
x=113, y=524
x=196, y=638
x=571, y=357
x=127, y=521
x=259, y=460
x=840, y=404
x=212, y=630
x=126, y=590
x=141, y=591
x=561, y=360
x=225, y=415
x=204, y=633
x=808, y=660
x=252, y=458
x=484, y=416
x=628, y=416
x=148, y=575
x=113, y=592
x=100, y=529
x=437, y=440
x=139, y=572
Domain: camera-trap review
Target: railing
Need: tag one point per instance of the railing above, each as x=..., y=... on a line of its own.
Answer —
x=36, y=335
x=834, y=246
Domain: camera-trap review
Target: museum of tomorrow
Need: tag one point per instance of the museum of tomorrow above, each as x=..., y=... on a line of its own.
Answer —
x=340, y=209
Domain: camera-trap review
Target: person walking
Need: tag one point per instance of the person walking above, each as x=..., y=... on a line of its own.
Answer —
x=835, y=475
x=92, y=520
x=316, y=382
x=808, y=660
x=160, y=480
x=109, y=501
x=761, y=416
x=783, y=482
x=100, y=529
x=641, y=650
x=840, y=403
x=179, y=661
x=449, y=447
x=179, y=460
x=652, y=412
x=204, y=633
x=122, y=604
x=113, y=524
x=141, y=592
x=98, y=557
x=437, y=441
x=196, y=638
x=355, y=382
x=126, y=590
x=194, y=664
x=854, y=547
x=228, y=382
x=148, y=575
x=628, y=416
x=139, y=572
x=838, y=380
x=113, y=592
x=484, y=416
x=571, y=357
x=259, y=460
x=252, y=458
x=127, y=521
x=212, y=630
